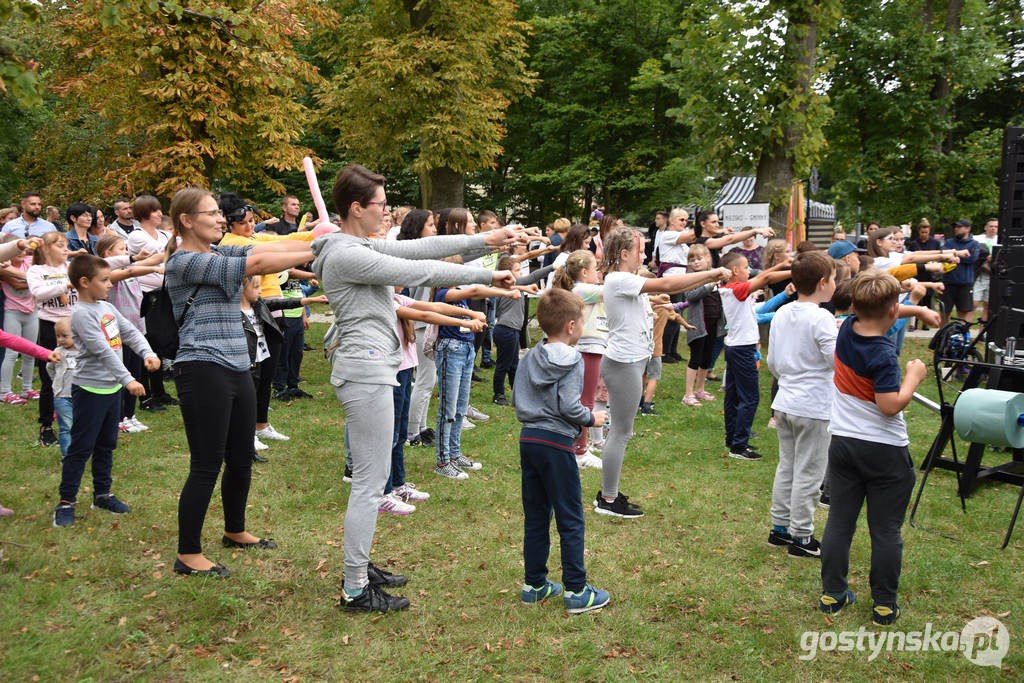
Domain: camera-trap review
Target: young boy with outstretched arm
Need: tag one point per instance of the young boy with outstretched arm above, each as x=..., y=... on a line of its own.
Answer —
x=742, y=392
x=547, y=401
x=97, y=329
x=868, y=457
x=801, y=346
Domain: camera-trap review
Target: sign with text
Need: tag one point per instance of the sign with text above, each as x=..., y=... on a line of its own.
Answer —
x=739, y=216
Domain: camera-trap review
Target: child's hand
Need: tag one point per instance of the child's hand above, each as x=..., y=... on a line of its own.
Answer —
x=135, y=388
x=599, y=418
x=790, y=289
x=54, y=356
x=687, y=326
x=933, y=267
x=152, y=364
x=939, y=287
x=929, y=317
x=475, y=325
x=142, y=255
x=512, y=294
x=477, y=315
x=916, y=370
x=766, y=232
x=659, y=298
x=322, y=299
x=721, y=273
x=530, y=289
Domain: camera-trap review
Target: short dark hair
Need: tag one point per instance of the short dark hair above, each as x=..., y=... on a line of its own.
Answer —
x=873, y=293
x=87, y=266
x=809, y=268
x=30, y=193
x=76, y=210
x=662, y=213
x=486, y=215
x=122, y=200
x=841, y=299
x=355, y=183
x=556, y=308
x=144, y=206
x=730, y=258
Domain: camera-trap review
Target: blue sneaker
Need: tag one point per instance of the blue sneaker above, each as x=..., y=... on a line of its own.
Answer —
x=832, y=605
x=64, y=514
x=883, y=614
x=110, y=503
x=531, y=595
x=587, y=599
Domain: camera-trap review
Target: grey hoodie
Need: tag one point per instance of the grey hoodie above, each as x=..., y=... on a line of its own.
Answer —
x=359, y=275
x=549, y=383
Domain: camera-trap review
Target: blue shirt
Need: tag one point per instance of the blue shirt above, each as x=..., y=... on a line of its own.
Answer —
x=450, y=331
x=963, y=274
x=39, y=227
x=212, y=329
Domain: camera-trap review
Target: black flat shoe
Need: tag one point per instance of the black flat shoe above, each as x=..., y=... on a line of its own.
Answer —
x=263, y=543
x=216, y=570
x=258, y=458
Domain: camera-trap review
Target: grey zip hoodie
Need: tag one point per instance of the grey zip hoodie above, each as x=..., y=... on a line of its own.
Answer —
x=358, y=276
x=549, y=383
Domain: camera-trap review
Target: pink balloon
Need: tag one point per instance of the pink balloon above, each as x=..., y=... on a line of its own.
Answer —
x=325, y=229
x=314, y=189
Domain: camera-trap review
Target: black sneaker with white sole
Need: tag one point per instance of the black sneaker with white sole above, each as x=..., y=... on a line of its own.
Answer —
x=747, y=453
x=372, y=599
x=807, y=547
x=620, y=507
x=779, y=539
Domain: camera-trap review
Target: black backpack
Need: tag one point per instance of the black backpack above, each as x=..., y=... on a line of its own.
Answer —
x=161, y=326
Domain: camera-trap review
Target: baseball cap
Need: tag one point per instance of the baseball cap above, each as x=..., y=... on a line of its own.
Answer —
x=963, y=223
x=842, y=248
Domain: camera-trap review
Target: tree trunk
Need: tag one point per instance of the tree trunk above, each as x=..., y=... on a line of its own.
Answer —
x=442, y=188
x=775, y=167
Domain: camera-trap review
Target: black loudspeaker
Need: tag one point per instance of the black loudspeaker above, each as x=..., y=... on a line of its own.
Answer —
x=1006, y=296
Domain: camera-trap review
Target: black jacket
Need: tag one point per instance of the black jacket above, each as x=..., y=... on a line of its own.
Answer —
x=270, y=329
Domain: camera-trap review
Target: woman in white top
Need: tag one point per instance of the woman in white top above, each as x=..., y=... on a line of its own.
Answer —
x=883, y=243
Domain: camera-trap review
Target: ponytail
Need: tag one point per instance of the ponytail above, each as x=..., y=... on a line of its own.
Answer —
x=568, y=275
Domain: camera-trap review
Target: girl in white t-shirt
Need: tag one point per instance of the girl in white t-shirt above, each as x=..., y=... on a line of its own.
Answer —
x=581, y=276
x=630, y=344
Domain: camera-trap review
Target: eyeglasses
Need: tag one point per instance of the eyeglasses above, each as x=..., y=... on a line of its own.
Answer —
x=211, y=212
x=383, y=204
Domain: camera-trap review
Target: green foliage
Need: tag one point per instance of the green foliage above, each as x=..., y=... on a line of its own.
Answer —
x=18, y=77
x=737, y=66
x=594, y=127
x=431, y=80
x=193, y=92
x=899, y=147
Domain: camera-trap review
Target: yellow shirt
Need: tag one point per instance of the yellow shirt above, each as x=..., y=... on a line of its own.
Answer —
x=269, y=285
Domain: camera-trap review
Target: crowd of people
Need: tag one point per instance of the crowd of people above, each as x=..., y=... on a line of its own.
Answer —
x=220, y=300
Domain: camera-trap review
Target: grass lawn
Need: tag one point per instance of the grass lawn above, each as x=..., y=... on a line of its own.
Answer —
x=696, y=591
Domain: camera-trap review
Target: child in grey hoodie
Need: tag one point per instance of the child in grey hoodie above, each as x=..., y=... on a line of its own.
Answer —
x=547, y=399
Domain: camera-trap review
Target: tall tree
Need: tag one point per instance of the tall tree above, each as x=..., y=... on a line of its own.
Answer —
x=18, y=76
x=424, y=82
x=193, y=91
x=908, y=139
x=595, y=129
x=751, y=76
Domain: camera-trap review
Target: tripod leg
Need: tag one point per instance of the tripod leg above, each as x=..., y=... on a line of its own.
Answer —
x=1013, y=520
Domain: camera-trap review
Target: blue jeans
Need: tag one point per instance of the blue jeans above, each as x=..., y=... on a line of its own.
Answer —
x=485, y=353
x=402, y=393
x=63, y=408
x=454, y=372
x=741, y=394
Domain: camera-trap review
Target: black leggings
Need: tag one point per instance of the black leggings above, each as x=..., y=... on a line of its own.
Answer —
x=46, y=338
x=264, y=379
x=702, y=349
x=218, y=406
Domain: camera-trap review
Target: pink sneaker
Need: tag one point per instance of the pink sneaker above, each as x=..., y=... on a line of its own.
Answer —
x=705, y=396
x=394, y=505
x=14, y=400
x=5, y=512
x=691, y=400
x=31, y=393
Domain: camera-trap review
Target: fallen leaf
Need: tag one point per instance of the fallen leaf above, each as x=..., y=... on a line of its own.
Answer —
x=150, y=595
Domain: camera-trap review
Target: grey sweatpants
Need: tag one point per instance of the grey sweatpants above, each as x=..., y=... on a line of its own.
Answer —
x=803, y=454
x=625, y=387
x=422, y=388
x=367, y=408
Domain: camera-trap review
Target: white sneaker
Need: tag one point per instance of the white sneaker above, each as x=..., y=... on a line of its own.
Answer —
x=466, y=424
x=475, y=414
x=260, y=446
x=464, y=463
x=394, y=505
x=408, y=492
x=588, y=460
x=269, y=432
x=138, y=425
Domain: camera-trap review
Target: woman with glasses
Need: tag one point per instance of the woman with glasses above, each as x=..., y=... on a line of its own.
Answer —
x=885, y=247
x=211, y=369
x=241, y=224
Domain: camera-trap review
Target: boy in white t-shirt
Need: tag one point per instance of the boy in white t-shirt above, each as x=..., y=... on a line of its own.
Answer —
x=801, y=351
x=741, y=387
